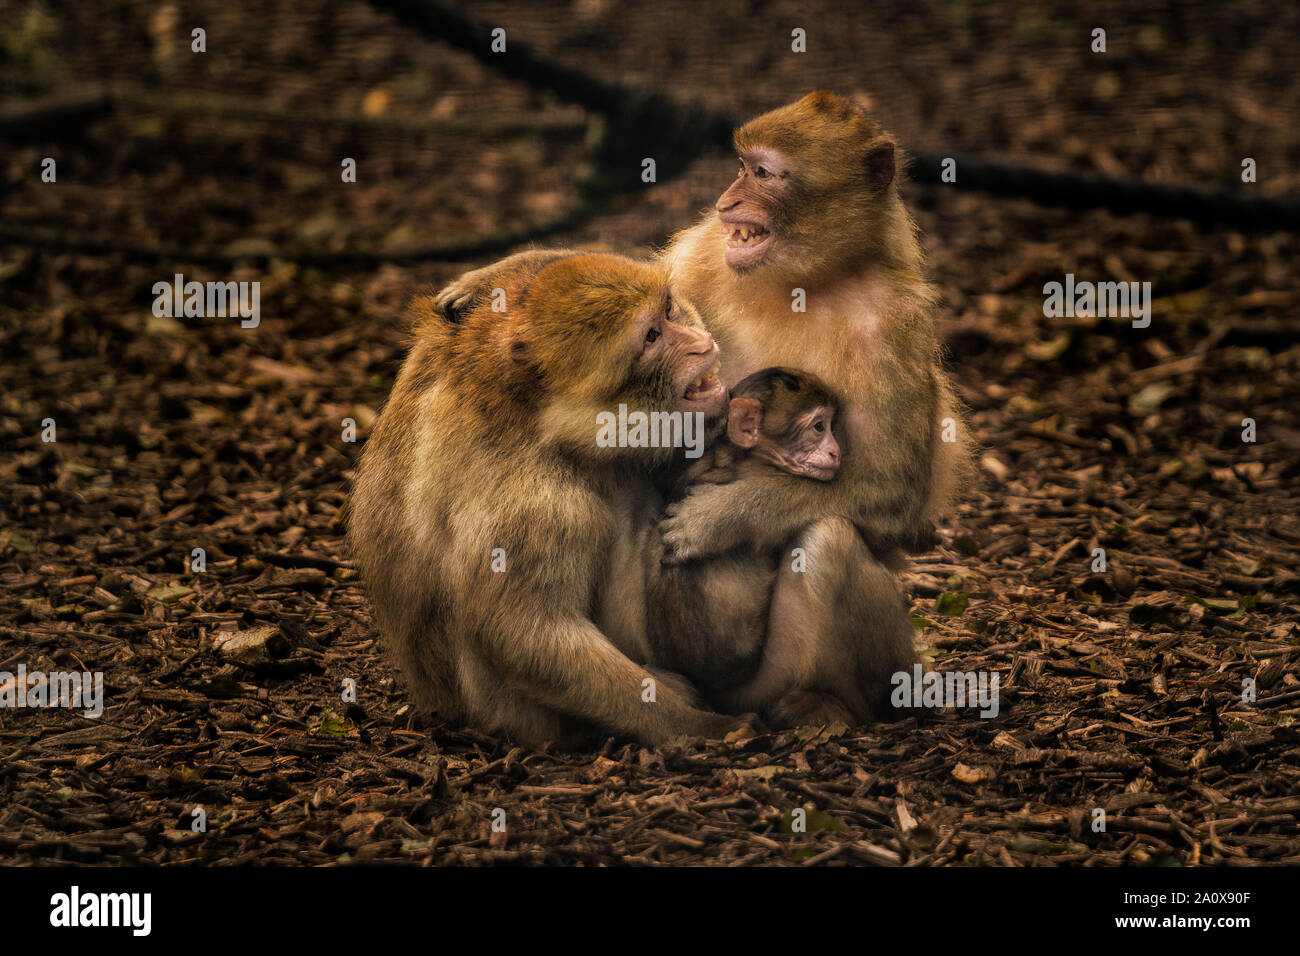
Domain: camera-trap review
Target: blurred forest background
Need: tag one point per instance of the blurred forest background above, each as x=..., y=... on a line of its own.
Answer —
x=1120, y=690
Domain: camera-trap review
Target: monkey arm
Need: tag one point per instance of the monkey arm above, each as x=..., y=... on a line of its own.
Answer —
x=764, y=512
x=468, y=290
x=533, y=621
x=761, y=511
x=566, y=663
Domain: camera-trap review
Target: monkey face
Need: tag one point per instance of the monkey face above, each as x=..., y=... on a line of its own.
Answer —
x=812, y=177
x=784, y=416
x=676, y=365
x=752, y=206
x=814, y=452
x=600, y=333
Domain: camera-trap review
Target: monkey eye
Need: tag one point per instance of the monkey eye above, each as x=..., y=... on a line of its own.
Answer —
x=651, y=335
x=762, y=172
x=819, y=426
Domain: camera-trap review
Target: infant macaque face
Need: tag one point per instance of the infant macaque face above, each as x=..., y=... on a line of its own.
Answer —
x=798, y=440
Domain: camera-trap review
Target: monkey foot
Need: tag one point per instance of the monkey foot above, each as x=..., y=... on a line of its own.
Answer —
x=808, y=708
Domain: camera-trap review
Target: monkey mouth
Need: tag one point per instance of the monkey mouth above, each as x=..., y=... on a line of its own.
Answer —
x=740, y=234
x=706, y=387
x=745, y=242
x=819, y=472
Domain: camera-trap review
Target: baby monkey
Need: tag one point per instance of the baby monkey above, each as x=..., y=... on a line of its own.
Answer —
x=708, y=618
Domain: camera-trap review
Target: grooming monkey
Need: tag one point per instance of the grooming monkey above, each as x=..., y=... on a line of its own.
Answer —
x=815, y=210
x=488, y=521
x=708, y=619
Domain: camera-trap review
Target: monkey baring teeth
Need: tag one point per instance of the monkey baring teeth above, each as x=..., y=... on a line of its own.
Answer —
x=706, y=385
x=742, y=234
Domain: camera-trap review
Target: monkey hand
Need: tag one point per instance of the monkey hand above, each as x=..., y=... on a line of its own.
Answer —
x=747, y=727
x=696, y=527
x=461, y=295
x=455, y=298
x=733, y=729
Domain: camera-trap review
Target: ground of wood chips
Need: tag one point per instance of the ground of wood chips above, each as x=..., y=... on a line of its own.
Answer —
x=1121, y=690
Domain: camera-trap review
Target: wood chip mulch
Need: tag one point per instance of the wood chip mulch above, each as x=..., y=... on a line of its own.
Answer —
x=1121, y=689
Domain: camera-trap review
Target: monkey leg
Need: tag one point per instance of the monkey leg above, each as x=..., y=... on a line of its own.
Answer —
x=418, y=644
x=837, y=628
x=570, y=668
x=677, y=683
x=564, y=682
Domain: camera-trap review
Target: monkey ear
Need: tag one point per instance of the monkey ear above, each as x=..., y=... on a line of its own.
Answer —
x=880, y=164
x=745, y=422
x=822, y=101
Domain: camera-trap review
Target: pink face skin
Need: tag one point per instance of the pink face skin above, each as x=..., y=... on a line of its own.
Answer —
x=671, y=337
x=809, y=450
x=814, y=453
x=743, y=210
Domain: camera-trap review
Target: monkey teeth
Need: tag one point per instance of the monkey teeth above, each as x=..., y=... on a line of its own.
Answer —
x=742, y=235
x=705, y=384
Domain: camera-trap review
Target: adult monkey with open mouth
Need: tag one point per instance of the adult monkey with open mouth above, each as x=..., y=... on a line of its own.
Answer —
x=493, y=529
x=814, y=218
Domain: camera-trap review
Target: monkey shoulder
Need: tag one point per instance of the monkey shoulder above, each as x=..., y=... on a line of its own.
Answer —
x=537, y=500
x=716, y=468
x=719, y=466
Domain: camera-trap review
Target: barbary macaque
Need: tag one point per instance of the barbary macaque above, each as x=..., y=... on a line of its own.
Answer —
x=488, y=521
x=811, y=261
x=708, y=619
x=814, y=221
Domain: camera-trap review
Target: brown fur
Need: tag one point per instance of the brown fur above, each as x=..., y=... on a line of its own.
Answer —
x=708, y=619
x=488, y=441
x=842, y=234
x=836, y=632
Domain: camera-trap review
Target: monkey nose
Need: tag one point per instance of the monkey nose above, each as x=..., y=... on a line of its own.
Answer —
x=703, y=343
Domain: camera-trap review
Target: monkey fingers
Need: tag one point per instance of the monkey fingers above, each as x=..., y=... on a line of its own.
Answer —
x=695, y=528
x=457, y=298
x=806, y=708
x=748, y=727
x=760, y=513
